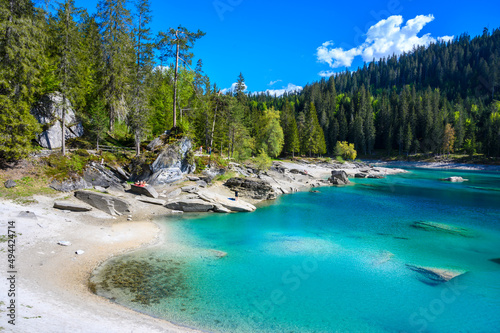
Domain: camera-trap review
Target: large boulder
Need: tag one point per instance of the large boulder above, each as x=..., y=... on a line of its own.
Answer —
x=190, y=205
x=48, y=111
x=69, y=185
x=210, y=173
x=339, y=177
x=74, y=207
x=98, y=175
x=104, y=202
x=146, y=190
x=254, y=188
x=172, y=163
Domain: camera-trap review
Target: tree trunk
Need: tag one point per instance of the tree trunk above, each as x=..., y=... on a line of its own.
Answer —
x=213, y=127
x=63, y=127
x=65, y=79
x=137, y=144
x=175, y=83
x=232, y=146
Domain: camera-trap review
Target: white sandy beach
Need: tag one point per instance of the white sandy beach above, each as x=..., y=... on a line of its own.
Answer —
x=52, y=292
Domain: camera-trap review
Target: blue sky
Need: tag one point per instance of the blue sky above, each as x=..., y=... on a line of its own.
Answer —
x=280, y=44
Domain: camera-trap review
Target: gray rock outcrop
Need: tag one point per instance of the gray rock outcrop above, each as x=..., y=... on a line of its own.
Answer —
x=48, y=112
x=10, y=183
x=152, y=201
x=232, y=205
x=172, y=163
x=98, y=175
x=104, y=202
x=254, y=188
x=190, y=205
x=74, y=207
x=69, y=185
x=146, y=190
x=190, y=189
x=210, y=173
x=339, y=177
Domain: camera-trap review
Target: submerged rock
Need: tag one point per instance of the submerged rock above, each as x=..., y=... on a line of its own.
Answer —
x=496, y=260
x=441, y=227
x=454, y=179
x=218, y=254
x=434, y=276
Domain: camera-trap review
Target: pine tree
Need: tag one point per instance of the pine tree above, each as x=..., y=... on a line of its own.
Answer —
x=22, y=58
x=176, y=43
x=314, y=137
x=66, y=43
x=289, y=125
x=143, y=49
x=115, y=23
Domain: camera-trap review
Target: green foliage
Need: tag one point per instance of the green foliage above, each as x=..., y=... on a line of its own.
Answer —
x=346, y=150
x=25, y=189
x=116, y=159
x=226, y=176
x=270, y=135
x=263, y=161
x=340, y=159
x=62, y=167
x=21, y=51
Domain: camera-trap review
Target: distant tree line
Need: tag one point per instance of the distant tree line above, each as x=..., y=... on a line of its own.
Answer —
x=436, y=99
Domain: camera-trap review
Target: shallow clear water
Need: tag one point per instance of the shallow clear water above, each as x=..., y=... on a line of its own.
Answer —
x=334, y=261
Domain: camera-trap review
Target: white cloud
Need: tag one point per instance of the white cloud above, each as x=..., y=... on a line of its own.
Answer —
x=274, y=82
x=336, y=57
x=279, y=92
x=383, y=39
x=233, y=88
x=446, y=39
x=327, y=73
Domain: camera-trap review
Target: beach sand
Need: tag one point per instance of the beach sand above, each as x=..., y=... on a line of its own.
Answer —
x=52, y=292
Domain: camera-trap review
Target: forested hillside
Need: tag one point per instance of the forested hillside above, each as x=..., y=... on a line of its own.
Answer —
x=436, y=99
x=129, y=86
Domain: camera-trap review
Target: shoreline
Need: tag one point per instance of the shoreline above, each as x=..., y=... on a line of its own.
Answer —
x=53, y=281
x=436, y=165
x=54, y=291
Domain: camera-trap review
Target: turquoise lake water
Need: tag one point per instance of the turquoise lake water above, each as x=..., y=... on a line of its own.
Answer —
x=334, y=261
